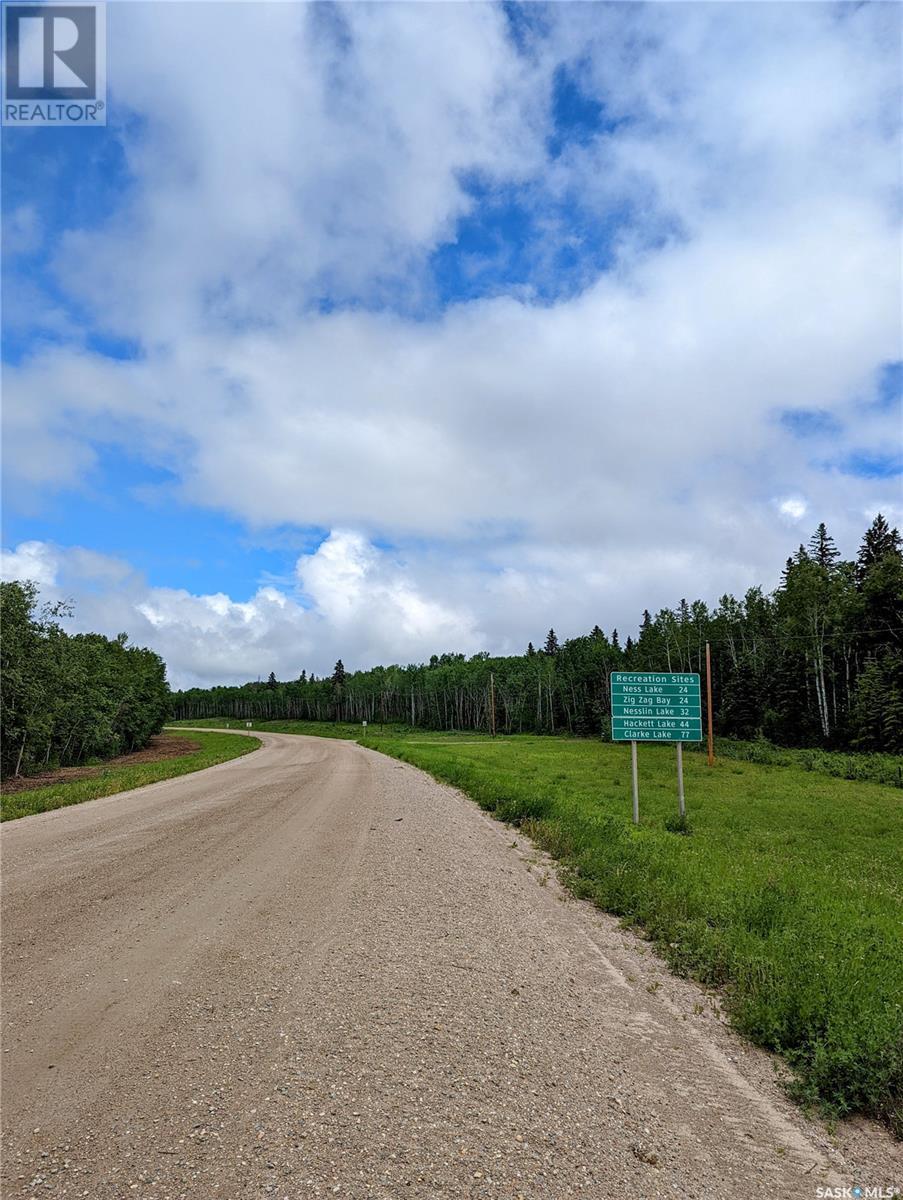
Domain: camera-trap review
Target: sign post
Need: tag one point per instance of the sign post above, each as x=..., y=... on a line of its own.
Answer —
x=636, y=785
x=656, y=706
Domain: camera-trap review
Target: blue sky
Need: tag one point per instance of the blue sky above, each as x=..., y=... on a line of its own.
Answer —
x=368, y=360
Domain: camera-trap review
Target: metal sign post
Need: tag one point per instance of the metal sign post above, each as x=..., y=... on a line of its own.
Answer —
x=681, y=806
x=636, y=785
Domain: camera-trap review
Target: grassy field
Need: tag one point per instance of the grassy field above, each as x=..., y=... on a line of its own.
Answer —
x=786, y=893
x=842, y=764
x=215, y=748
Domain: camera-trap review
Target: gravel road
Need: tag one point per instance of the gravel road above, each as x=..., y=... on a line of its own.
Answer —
x=314, y=971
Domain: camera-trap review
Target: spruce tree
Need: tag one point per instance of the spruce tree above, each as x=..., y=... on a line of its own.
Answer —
x=892, y=722
x=822, y=548
x=551, y=647
x=879, y=541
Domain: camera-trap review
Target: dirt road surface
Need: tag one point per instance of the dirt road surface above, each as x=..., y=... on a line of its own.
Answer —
x=315, y=972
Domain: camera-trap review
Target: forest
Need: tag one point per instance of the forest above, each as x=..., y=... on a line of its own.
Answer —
x=71, y=698
x=816, y=663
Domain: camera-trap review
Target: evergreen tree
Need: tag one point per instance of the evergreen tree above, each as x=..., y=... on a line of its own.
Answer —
x=338, y=676
x=531, y=650
x=879, y=541
x=551, y=647
x=822, y=548
x=271, y=681
x=615, y=644
x=892, y=719
x=867, y=718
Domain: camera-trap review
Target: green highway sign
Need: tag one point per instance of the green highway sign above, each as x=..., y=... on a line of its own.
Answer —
x=655, y=706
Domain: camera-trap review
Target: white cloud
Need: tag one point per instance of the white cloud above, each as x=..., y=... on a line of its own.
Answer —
x=358, y=602
x=536, y=462
x=794, y=508
x=30, y=560
x=332, y=164
x=642, y=410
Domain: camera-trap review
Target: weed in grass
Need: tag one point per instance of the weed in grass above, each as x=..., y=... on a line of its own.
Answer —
x=876, y=768
x=678, y=824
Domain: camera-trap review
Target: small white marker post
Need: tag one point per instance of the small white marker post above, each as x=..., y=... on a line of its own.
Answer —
x=636, y=785
x=681, y=807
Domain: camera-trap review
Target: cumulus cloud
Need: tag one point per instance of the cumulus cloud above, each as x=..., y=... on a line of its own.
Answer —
x=357, y=602
x=344, y=170
x=533, y=460
x=35, y=561
x=794, y=508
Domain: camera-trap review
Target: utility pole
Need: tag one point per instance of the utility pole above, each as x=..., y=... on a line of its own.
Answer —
x=708, y=700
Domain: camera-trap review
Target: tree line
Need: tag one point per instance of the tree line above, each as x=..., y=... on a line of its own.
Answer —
x=68, y=698
x=817, y=662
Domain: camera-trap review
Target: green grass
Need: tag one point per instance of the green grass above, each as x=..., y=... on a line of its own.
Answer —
x=785, y=891
x=842, y=764
x=214, y=748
